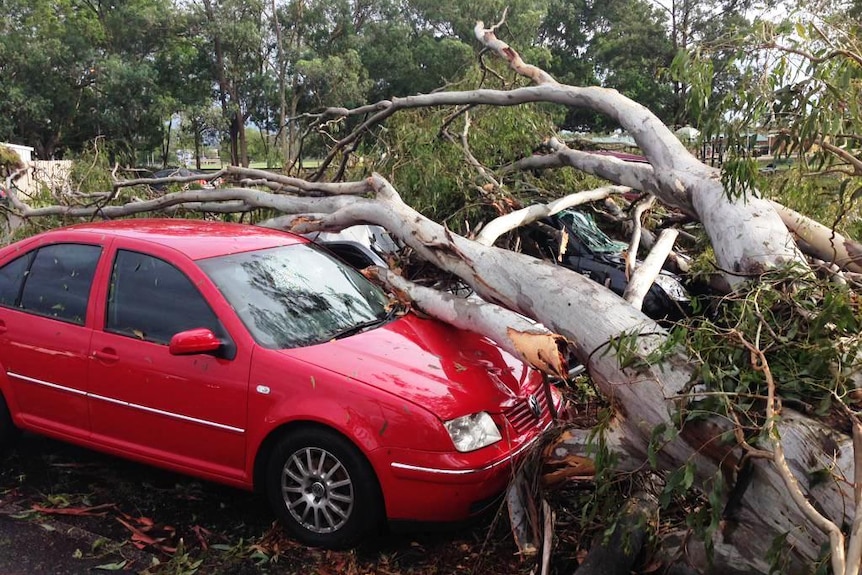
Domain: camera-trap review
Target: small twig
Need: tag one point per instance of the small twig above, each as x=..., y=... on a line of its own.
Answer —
x=773, y=406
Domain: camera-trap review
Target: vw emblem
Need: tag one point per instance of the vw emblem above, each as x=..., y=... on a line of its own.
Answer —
x=535, y=408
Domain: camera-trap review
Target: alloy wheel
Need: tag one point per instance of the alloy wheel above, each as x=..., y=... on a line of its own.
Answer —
x=317, y=490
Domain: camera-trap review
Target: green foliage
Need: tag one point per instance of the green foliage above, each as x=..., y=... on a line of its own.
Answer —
x=431, y=172
x=831, y=199
x=808, y=330
x=797, y=80
x=10, y=161
x=182, y=562
x=621, y=44
x=70, y=73
x=334, y=80
x=402, y=67
x=91, y=171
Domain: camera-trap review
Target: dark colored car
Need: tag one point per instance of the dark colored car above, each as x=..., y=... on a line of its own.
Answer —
x=251, y=357
x=589, y=251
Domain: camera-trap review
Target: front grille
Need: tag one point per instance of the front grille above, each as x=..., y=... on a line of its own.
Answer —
x=522, y=418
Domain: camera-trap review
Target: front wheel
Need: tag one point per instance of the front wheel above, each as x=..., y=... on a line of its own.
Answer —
x=323, y=489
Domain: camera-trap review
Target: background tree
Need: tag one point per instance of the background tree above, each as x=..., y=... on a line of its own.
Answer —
x=47, y=57
x=621, y=44
x=235, y=31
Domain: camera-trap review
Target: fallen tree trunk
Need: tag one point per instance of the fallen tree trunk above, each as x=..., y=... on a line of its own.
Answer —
x=616, y=554
x=622, y=348
x=608, y=335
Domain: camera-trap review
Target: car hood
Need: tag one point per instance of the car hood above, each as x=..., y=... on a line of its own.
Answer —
x=448, y=371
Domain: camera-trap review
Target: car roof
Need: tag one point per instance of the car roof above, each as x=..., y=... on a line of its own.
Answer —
x=197, y=239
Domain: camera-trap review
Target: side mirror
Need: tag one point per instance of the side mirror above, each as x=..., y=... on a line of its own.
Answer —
x=194, y=341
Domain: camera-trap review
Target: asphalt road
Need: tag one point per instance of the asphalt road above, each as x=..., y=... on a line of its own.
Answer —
x=51, y=547
x=65, y=510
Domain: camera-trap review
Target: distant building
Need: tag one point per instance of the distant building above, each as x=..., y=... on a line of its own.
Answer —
x=24, y=152
x=51, y=174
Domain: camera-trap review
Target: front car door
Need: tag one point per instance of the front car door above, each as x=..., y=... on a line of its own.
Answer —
x=186, y=411
x=44, y=335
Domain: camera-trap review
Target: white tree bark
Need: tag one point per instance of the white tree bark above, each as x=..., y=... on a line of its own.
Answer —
x=499, y=226
x=822, y=242
x=645, y=274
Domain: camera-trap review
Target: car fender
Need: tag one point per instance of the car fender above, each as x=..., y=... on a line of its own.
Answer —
x=370, y=418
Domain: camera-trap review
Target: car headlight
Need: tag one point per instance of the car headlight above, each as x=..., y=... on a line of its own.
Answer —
x=473, y=432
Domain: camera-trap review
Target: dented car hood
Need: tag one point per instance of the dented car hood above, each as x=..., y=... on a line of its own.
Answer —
x=448, y=371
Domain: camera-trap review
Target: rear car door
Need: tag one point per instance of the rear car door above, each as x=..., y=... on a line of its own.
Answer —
x=187, y=411
x=44, y=335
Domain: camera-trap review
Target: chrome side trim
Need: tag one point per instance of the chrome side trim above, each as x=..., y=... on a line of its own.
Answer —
x=166, y=413
x=438, y=471
x=128, y=404
x=47, y=384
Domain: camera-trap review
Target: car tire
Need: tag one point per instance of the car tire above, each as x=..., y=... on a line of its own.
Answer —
x=8, y=432
x=323, y=489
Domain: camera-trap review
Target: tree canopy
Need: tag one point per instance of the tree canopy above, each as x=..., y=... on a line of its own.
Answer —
x=77, y=70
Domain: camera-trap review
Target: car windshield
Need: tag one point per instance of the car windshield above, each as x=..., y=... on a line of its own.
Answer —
x=295, y=296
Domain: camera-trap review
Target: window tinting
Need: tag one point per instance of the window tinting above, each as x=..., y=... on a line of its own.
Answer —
x=12, y=279
x=152, y=300
x=59, y=280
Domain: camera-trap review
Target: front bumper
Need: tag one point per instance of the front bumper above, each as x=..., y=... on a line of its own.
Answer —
x=447, y=487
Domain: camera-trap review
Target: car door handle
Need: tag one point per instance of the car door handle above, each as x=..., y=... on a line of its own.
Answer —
x=2, y=326
x=108, y=355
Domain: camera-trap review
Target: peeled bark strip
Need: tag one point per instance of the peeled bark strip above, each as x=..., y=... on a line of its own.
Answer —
x=522, y=515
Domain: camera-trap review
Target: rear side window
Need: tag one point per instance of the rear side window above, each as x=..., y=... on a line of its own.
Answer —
x=12, y=279
x=58, y=280
x=152, y=300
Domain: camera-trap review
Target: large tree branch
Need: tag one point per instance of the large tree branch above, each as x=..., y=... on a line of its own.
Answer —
x=489, y=39
x=243, y=199
x=822, y=242
x=521, y=337
x=635, y=175
x=499, y=226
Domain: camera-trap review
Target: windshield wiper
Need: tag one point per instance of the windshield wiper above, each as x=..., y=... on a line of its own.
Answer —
x=360, y=327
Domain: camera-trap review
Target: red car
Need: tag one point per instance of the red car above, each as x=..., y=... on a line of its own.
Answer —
x=253, y=358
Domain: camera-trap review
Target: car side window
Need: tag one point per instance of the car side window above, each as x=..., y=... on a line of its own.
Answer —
x=152, y=300
x=57, y=281
x=12, y=279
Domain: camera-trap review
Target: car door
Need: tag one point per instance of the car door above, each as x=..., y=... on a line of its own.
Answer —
x=186, y=411
x=44, y=335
